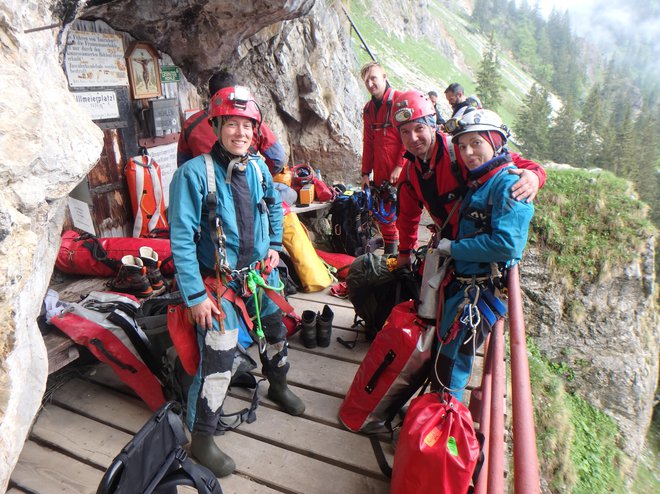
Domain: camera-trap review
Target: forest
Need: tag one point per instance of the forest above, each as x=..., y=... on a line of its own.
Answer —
x=609, y=103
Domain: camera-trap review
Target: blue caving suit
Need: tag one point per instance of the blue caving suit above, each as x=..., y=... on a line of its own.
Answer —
x=492, y=229
x=251, y=213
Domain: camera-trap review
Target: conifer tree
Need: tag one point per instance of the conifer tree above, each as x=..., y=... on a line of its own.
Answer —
x=532, y=124
x=607, y=149
x=591, y=129
x=563, y=134
x=646, y=138
x=626, y=155
x=489, y=79
x=481, y=14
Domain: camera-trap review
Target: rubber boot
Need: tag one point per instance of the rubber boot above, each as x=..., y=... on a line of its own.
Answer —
x=324, y=326
x=207, y=453
x=308, y=331
x=280, y=393
x=391, y=248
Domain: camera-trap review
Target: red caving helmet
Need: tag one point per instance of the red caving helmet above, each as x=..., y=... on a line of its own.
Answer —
x=410, y=106
x=235, y=101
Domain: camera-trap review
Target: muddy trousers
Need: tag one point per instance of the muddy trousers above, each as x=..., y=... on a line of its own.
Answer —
x=209, y=388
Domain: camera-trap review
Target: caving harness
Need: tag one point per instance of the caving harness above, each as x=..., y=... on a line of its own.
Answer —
x=481, y=308
x=381, y=201
x=249, y=279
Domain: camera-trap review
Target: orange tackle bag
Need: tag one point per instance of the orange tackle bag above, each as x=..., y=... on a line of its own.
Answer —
x=145, y=187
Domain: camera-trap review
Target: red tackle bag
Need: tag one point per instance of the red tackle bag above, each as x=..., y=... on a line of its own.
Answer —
x=104, y=322
x=438, y=450
x=145, y=187
x=398, y=362
x=322, y=192
x=87, y=255
x=341, y=262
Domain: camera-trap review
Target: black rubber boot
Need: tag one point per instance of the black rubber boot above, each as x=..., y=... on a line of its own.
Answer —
x=391, y=248
x=207, y=453
x=280, y=393
x=308, y=331
x=324, y=326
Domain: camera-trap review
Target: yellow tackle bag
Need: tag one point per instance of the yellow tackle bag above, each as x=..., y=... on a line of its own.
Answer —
x=308, y=265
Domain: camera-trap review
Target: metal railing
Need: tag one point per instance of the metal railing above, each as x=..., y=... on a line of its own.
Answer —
x=490, y=410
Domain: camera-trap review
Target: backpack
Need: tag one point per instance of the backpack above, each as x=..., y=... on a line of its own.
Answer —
x=154, y=461
x=352, y=227
x=374, y=290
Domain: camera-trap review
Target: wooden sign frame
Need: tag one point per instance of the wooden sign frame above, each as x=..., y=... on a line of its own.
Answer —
x=143, y=70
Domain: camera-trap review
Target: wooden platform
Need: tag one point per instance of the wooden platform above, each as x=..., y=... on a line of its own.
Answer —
x=90, y=418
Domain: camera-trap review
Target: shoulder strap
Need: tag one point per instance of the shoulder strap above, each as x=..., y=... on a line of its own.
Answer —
x=259, y=173
x=451, y=149
x=389, y=107
x=210, y=178
x=211, y=201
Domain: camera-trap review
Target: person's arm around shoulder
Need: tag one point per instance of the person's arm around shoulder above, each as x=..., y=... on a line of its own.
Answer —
x=510, y=220
x=409, y=216
x=531, y=175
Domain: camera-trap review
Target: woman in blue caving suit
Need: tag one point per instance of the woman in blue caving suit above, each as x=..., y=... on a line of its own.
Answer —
x=491, y=236
x=224, y=243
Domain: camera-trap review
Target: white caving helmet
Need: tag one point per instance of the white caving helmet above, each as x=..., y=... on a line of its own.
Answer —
x=478, y=120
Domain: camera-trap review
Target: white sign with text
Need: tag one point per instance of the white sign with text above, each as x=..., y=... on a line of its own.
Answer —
x=99, y=104
x=95, y=59
x=165, y=156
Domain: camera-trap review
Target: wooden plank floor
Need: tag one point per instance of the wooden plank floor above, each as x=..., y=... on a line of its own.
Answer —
x=89, y=419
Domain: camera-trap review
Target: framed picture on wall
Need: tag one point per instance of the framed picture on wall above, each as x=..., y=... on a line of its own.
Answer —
x=143, y=70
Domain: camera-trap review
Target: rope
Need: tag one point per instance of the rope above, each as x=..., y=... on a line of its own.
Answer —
x=253, y=281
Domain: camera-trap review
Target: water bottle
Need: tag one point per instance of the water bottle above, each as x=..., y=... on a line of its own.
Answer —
x=318, y=174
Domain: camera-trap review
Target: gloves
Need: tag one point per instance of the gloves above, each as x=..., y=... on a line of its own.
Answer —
x=444, y=246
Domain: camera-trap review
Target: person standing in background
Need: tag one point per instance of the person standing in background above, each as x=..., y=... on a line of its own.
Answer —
x=382, y=150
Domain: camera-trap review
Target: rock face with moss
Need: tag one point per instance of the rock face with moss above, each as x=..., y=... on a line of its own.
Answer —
x=588, y=280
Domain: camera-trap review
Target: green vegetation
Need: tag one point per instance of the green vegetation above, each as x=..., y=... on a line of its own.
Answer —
x=489, y=79
x=647, y=479
x=531, y=126
x=417, y=55
x=576, y=442
x=587, y=222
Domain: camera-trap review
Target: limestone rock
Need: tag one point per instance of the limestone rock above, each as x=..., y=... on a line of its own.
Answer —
x=47, y=144
x=198, y=35
x=303, y=71
x=606, y=332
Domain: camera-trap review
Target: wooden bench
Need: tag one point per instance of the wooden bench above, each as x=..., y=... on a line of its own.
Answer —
x=60, y=348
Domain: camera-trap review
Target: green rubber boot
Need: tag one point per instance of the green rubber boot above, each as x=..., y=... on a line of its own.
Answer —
x=207, y=453
x=280, y=393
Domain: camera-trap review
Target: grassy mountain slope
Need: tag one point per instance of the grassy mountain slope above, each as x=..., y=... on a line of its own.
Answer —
x=421, y=63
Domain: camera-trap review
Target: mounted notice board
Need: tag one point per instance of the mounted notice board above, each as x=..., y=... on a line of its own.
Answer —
x=94, y=60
